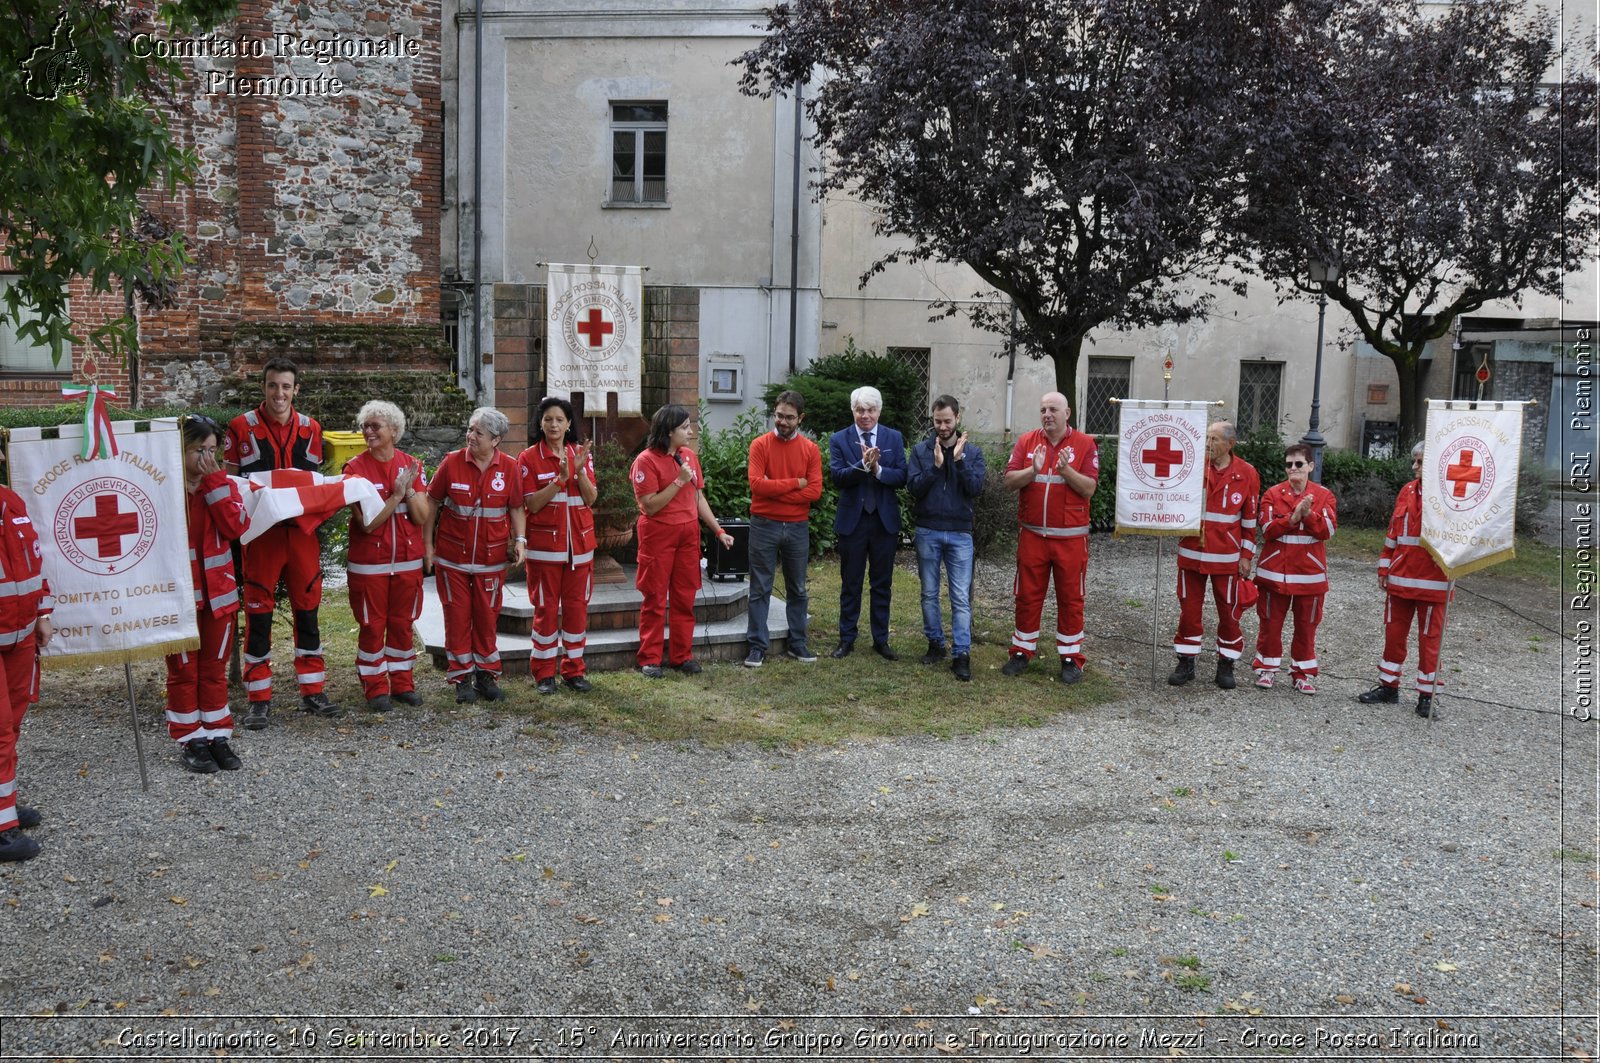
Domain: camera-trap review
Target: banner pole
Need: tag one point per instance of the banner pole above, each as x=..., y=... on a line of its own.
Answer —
x=133, y=713
x=1155, y=618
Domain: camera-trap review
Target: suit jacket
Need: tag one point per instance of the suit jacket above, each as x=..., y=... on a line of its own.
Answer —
x=854, y=482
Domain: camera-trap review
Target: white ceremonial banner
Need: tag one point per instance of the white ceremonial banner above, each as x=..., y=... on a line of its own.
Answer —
x=1470, y=460
x=594, y=340
x=1161, y=467
x=116, y=540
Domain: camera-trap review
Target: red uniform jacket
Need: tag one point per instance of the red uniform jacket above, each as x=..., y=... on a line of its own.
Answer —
x=1409, y=568
x=396, y=546
x=216, y=519
x=1228, y=529
x=474, y=523
x=1048, y=506
x=1293, y=558
x=255, y=444
x=24, y=592
x=653, y=471
x=563, y=528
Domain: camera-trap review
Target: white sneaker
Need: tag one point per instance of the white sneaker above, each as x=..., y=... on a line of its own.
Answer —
x=1263, y=679
x=1304, y=685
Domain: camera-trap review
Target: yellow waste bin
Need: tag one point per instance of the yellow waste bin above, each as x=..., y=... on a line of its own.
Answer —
x=340, y=447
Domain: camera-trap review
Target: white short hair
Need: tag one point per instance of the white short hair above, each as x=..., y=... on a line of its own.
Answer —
x=868, y=398
x=490, y=420
x=387, y=412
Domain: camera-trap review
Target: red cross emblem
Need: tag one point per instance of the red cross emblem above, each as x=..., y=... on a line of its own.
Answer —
x=108, y=527
x=1162, y=457
x=596, y=328
x=1463, y=473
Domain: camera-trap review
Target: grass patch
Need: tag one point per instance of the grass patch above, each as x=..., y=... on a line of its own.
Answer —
x=1578, y=855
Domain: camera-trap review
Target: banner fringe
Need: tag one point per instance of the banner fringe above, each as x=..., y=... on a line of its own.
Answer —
x=1472, y=566
x=67, y=662
x=1122, y=529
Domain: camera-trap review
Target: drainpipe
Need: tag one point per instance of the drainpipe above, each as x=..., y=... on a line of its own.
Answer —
x=794, y=236
x=477, y=200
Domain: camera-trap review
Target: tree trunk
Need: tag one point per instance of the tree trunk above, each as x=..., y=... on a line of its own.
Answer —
x=1066, y=358
x=1412, y=416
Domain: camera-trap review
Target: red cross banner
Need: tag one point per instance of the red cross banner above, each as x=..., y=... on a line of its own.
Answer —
x=1470, y=460
x=113, y=537
x=594, y=334
x=1161, y=467
x=306, y=498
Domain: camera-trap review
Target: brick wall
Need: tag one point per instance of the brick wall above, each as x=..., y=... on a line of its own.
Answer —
x=310, y=211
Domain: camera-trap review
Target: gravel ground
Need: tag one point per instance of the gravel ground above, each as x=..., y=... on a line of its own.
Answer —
x=1216, y=873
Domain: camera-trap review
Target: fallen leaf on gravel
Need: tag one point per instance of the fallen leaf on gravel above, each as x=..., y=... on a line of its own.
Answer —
x=733, y=969
x=752, y=1005
x=984, y=1001
x=1442, y=1024
x=918, y=910
x=854, y=976
x=68, y=878
x=787, y=1024
x=1403, y=988
x=663, y=918
x=179, y=900
x=997, y=906
x=1419, y=1000
x=1443, y=966
x=587, y=920
x=885, y=790
x=490, y=998
x=949, y=1047
x=1344, y=998
x=212, y=991
x=376, y=890
x=547, y=873
x=1041, y=952
x=664, y=902
x=1161, y=896
x=391, y=865
x=830, y=983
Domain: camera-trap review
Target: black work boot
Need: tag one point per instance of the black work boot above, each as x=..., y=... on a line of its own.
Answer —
x=935, y=653
x=1425, y=707
x=1224, y=673
x=488, y=689
x=1380, y=695
x=1183, y=672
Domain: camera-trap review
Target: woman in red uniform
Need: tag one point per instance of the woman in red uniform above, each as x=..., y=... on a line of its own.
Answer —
x=558, y=476
x=386, y=559
x=198, y=715
x=669, y=487
x=25, y=605
x=1297, y=517
x=479, y=521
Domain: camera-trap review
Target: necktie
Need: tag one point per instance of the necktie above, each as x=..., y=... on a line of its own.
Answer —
x=869, y=502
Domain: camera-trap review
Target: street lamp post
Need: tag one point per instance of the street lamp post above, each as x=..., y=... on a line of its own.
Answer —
x=1319, y=272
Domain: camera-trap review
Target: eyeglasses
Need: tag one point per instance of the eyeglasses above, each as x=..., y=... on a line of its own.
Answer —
x=1295, y=464
x=372, y=426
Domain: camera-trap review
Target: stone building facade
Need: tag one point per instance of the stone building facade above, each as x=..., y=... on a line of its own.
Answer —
x=313, y=220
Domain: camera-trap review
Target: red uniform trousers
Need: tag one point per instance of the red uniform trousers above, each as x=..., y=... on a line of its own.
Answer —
x=385, y=607
x=291, y=554
x=1397, y=615
x=1039, y=560
x=19, y=687
x=669, y=578
x=471, y=602
x=197, y=682
x=1271, y=609
x=1191, y=604
x=560, y=595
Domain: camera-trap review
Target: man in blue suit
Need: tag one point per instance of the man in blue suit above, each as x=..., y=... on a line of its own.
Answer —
x=868, y=462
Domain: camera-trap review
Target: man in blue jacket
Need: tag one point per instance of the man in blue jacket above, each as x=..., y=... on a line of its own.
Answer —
x=868, y=463
x=946, y=474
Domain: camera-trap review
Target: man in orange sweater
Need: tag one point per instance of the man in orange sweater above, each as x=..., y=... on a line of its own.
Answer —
x=785, y=474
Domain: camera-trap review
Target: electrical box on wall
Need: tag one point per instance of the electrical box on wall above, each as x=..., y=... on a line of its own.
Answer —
x=724, y=377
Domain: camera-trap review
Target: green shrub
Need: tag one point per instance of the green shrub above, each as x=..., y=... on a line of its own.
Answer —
x=725, y=459
x=827, y=383
x=1103, y=504
x=994, y=513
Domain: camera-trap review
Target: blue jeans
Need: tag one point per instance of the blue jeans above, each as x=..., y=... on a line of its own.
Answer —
x=954, y=550
x=771, y=541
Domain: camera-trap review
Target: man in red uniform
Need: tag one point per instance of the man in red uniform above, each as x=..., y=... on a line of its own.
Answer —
x=1054, y=470
x=270, y=437
x=1222, y=553
x=481, y=525
x=1417, y=588
x=25, y=605
x=1297, y=518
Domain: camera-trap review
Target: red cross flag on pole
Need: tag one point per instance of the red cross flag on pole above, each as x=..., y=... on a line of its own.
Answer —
x=113, y=539
x=1161, y=460
x=1470, y=460
x=594, y=331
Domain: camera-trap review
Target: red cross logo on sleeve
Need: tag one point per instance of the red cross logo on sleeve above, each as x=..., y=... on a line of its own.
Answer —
x=1463, y=473
x=1162, y=457
x=108, y=527
x=596, y=328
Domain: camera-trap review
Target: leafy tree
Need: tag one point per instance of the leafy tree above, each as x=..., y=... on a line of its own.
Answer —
x=1427, y=158
x=84, y=138
x=1083, y=157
